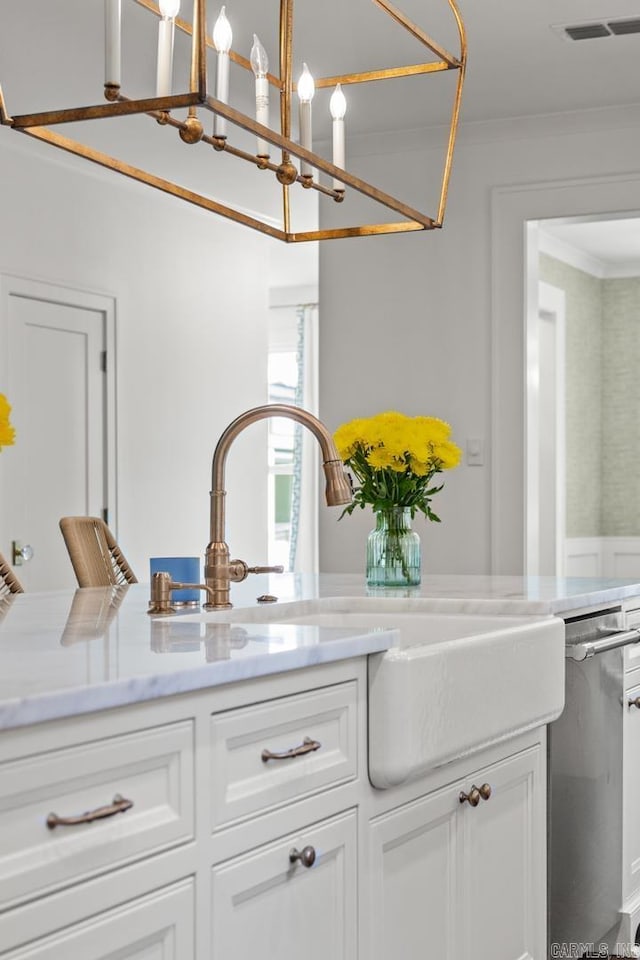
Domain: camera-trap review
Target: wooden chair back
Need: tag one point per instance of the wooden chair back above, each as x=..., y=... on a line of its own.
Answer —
x=95, y=555
x=9, y=583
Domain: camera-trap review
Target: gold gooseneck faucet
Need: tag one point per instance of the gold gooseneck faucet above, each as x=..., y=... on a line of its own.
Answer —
x=220, y=571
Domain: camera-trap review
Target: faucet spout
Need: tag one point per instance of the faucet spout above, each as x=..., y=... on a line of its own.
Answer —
x=220, y=571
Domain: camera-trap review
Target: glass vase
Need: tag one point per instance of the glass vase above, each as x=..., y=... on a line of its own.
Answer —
x=393, y=550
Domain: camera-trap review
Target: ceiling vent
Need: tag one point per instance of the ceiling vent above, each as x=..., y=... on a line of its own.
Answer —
x=587, y=31
x=621, y=27
x=598, y=29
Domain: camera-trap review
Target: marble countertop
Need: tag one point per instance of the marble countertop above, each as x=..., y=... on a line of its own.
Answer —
x=67, y=653
x=72, y=652
x=457, y=593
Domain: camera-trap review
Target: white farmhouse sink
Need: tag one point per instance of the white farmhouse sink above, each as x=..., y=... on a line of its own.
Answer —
x=451, y=685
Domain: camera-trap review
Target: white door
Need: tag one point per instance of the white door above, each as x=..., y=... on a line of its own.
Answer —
x=505, y=862
x=53, y=348
x=546, y=472
x=415, y=878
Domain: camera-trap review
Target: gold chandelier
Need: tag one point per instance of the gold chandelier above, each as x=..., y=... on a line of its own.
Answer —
x=191, y=129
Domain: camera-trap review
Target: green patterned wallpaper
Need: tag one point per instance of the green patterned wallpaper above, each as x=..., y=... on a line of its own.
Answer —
x=621, y=407
x=602, y=400
x=583, y=399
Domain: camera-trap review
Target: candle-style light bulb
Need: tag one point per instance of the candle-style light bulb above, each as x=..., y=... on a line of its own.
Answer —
x=260, y=66
x=306, y=86
x=222, y=37
x=222, y=33
x=338, y=108
x=166, y=27
x=306, y=89
x=338, y=103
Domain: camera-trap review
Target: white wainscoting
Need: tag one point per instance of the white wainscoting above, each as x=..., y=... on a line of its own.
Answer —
x=602, y=557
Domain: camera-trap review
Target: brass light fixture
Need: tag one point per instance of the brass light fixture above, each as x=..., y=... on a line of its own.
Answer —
x=198, y=98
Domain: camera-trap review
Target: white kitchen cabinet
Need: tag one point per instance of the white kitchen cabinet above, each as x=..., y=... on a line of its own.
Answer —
x=415, y=879
x=504, y=861
x=458, y=881
x=252, y=769
x=267, y=904
x=150, y=770
x=199, y=868
x=631, y=791
x=157, y=927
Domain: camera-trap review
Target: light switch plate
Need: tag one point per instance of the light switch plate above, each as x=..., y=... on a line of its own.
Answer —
x=475, y=452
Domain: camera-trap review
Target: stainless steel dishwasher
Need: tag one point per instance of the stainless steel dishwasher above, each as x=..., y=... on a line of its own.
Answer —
x=586, y=802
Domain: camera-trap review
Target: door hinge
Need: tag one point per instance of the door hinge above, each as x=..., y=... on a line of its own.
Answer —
x=103, y=361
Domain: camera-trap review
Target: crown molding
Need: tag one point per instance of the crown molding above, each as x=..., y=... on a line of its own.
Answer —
x=571, y=255
x=538, y=126
x=575, y=257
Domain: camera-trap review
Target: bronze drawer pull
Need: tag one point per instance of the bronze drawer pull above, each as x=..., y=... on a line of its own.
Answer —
x=472, y=798
x=476, y=794
x=635, y=703
x=119, y=805
x=307, y=746
x=306, y=856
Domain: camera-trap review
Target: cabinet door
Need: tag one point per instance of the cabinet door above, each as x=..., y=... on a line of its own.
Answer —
x=631, y=793
x=504, y=845
x=265, y=905
x=157, y=927
x=414, y=880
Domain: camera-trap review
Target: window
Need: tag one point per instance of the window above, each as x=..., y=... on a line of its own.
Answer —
x=293, y=461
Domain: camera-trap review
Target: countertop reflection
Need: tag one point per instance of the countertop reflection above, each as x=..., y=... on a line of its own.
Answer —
x=68, y=653
x=72, y=652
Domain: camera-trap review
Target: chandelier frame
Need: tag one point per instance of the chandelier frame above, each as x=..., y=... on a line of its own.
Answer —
x=191, y=130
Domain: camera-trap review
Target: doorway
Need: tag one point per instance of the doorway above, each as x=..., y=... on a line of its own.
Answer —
x=57, y=369
x=546, y=449
x=594, y=267
x=616, y=196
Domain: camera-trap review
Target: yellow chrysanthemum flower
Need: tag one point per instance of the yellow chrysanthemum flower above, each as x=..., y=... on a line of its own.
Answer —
x=7, y=432
x=433, y=429
x=379, y=458
x=448, y=453
x=420, y=468
x=394, y=459
x=349, y=435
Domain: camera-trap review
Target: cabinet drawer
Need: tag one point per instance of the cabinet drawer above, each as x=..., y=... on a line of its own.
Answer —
x=243, y=783
x=265, y=905
x=632, y=656
x=152, y=768
x=157, y=927
x=632, y=622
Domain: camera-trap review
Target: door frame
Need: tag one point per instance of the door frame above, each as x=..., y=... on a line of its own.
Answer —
x=29, y=288
x=543, y=298
x=511, y=209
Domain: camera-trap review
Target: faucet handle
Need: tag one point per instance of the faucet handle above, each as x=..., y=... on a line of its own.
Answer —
x=278, y=569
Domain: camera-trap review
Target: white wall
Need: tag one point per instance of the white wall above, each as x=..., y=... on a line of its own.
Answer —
x=191, y=337
x=424, y=323
x=433, y=323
